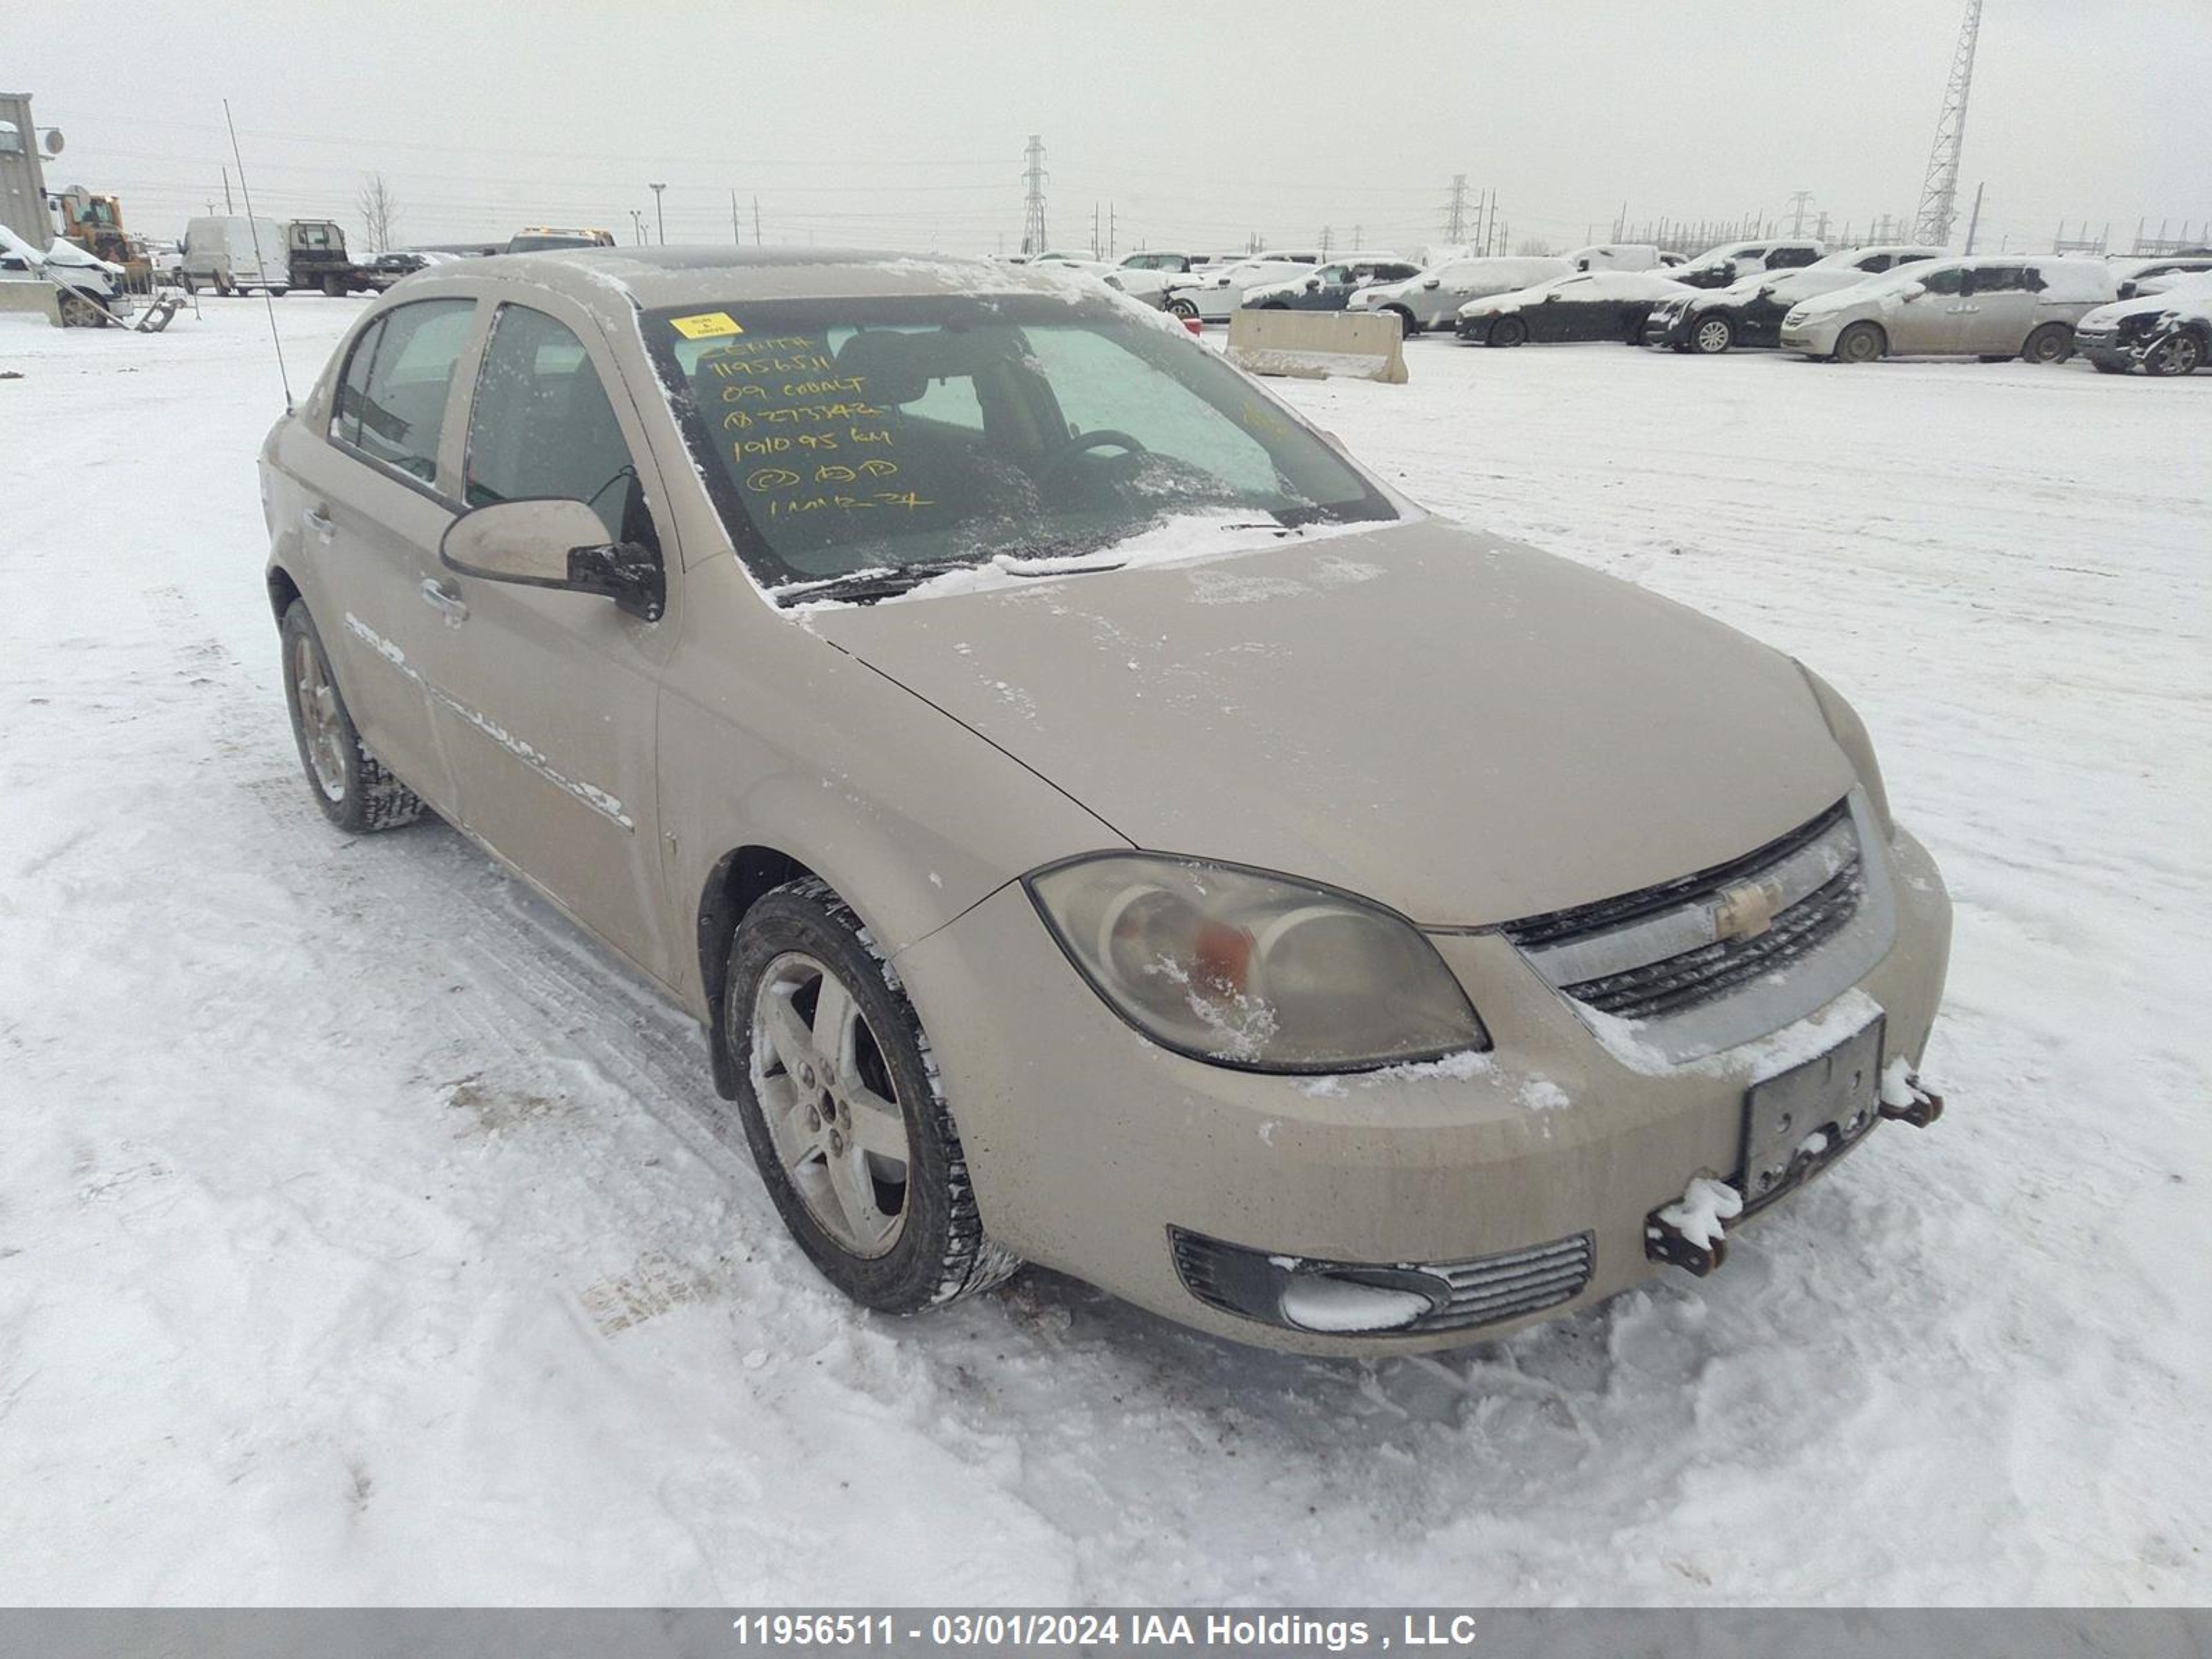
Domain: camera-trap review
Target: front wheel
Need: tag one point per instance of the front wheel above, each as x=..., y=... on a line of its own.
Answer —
x=2051, y=343
x=2178, y=353
x=1509, y=332
x=78, y=312
x=335, y=287
x=1861, y=342
x=1407, y=328
x=1183, y=308
x=843, y=1109
x=355, y=789
x=1712, y=336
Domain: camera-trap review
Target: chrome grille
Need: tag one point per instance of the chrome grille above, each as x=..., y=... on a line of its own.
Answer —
x=1661, y=950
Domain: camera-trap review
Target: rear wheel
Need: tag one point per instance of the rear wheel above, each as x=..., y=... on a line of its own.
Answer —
x=1712, y=336
x=2178, y=353
x=1861, y=342
x=2051, y=343
x=1509, y=332
x=352, y=787
x=1183, y=308
x=844, y=1111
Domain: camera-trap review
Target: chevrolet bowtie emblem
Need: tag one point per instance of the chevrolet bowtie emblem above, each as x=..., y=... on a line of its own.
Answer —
x=1747, y=909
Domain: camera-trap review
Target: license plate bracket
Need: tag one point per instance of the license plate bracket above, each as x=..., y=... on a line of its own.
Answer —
x=1800, y=1119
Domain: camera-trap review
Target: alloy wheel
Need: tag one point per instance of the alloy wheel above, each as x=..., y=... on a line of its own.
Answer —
x=2177, y=354
x=832, y=1111
x=1714, y=335
x=317, y=700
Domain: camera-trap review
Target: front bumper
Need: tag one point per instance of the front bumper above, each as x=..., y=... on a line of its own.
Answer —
x=1669, y=327
x=2107, y=347
x=1815, y=339
x=1093, y=1150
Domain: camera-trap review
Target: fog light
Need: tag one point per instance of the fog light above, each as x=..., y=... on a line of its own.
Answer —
x=1321, y=1302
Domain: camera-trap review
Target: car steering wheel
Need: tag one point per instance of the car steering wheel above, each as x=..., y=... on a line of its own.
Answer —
x=1105, y=437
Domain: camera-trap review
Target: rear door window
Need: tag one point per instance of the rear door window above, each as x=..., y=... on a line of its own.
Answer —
x=398, y=412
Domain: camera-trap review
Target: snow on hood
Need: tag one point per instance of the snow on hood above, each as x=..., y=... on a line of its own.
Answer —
x=2192, y=301
x=1467, y=730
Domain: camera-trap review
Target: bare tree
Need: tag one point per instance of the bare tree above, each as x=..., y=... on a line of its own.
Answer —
x=379, y=211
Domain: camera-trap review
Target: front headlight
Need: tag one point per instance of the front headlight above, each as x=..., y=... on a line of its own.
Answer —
x=1241, y=968
x=1849, y=733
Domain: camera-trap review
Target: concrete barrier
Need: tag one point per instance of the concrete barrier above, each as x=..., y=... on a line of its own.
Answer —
x=1313, y=345
x=43, y=298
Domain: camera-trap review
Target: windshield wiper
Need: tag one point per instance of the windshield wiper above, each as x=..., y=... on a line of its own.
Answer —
x=862, y=586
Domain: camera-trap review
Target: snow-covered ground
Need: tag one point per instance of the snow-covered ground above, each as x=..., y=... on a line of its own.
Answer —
x=359, y=1238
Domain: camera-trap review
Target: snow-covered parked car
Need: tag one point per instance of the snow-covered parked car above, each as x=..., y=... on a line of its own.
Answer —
x=88, y=292
x=1329, y=287
x=1731, y=262
x=1212, y=293
x=1749, y=312
x=2143, y=274
x=1432, y=299
x=2165, y=333
x=1995, y=308
x=1620, y=256
x=790, y=623
x=1584, y=304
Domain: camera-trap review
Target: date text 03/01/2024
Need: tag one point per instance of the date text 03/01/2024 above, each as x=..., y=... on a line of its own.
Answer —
x=1173, y=1632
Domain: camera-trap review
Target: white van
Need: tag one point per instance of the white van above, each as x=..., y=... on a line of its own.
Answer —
x=231, y=255
x=1432, y=299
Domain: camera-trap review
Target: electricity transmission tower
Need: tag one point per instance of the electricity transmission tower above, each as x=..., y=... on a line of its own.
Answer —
x=1938, y=194
x=1033, y=206
x=1455, y=211
x=1798, y=203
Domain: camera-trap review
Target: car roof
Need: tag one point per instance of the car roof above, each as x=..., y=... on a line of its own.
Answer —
x=651, y=278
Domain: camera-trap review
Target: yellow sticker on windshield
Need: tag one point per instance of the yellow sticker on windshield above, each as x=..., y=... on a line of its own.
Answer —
x=705, y=326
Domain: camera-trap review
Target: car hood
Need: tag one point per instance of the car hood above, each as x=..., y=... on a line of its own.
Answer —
x=1467, y=730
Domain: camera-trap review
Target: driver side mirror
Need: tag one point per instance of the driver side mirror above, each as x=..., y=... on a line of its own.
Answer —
x=547, y=543
x=1915, y=291
x=1431, y=283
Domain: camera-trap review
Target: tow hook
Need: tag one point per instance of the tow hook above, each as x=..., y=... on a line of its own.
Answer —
x=1902, y=1099
x=1688, y=1233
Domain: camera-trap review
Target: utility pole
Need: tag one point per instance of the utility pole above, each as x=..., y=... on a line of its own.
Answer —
x=1328, y=236
x=1939, y=191
x=1975, y=219
x=1094, y=230
x=637, y=226
x=755, y=221
x=1798, y=205
x=1112, y=231
x=226, y=207
x=658, y=218
x=1033, y=178
x=1358, y=237
x=1455, y=211
x=736, y=239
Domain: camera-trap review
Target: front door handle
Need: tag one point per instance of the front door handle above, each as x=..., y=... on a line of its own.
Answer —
x=319, y=521
x=446, y=600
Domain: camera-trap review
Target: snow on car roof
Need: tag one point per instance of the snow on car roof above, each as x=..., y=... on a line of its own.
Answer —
x=657, y=276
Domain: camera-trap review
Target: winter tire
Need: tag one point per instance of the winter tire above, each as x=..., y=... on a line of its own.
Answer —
x=2178, y=353
x=842, y=1106
x=2051, y=343
x=1183, y=308
x=356, y=791
x=77, y=312
x=1407, y=328
x=1861, y=342
x=1509, y=332
x=334, y=286
x=1712, y=336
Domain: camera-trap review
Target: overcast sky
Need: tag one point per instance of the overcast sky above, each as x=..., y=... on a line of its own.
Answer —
x=902, y=124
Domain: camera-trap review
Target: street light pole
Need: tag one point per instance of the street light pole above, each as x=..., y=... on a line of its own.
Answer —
x=658, y=217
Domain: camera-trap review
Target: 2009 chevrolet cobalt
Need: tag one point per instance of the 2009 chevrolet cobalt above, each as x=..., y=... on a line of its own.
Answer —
x=1099, y=822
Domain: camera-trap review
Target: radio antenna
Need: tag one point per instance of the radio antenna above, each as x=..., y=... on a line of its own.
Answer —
x=253, y=229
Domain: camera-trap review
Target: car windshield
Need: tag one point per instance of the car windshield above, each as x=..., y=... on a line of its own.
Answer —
x=908, y=436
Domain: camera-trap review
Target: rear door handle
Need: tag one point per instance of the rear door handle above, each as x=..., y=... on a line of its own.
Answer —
x=441, y=597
